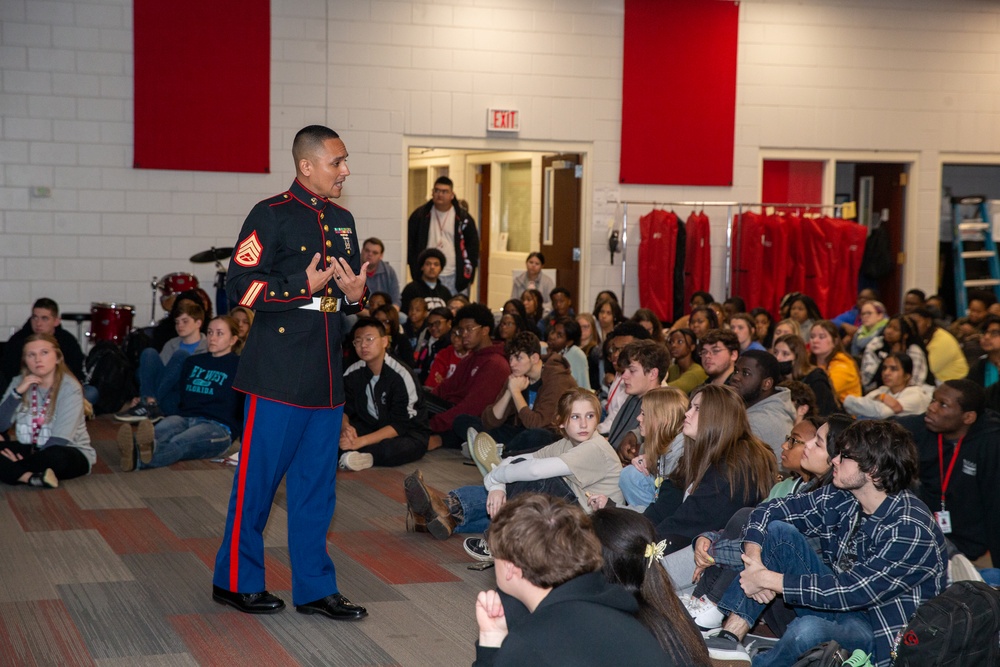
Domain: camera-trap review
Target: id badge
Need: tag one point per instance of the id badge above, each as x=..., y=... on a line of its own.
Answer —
x=943, y=519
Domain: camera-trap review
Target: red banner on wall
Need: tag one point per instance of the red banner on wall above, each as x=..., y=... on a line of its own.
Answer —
x=202, y=84
x=679, y=92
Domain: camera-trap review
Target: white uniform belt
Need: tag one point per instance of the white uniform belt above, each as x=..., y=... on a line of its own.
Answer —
x=326, y=304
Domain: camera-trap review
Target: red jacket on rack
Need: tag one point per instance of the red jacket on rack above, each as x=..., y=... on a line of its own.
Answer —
x=777, y=262
x=816, y=253
x=657, y=250
x=747, y=274
x=697, y=258
x=847, y=240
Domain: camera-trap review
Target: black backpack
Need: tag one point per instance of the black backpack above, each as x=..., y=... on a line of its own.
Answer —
x=108, y=369
x=959, y=628
x=877, y=261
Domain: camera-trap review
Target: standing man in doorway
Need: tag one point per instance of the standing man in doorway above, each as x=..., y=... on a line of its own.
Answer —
x=297, y=264
x=442, y=224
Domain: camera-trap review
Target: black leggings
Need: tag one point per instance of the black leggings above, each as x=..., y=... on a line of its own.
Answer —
x=66, y=462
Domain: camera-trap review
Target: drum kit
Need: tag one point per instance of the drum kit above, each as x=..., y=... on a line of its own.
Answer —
x=113, y=321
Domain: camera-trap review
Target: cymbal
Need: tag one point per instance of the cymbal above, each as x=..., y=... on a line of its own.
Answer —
x=213, y=255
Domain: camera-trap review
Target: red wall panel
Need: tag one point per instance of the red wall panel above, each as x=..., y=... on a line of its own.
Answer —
x=792, y=181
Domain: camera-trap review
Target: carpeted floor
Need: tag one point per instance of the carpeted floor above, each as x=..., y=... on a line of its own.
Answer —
x=115, y=569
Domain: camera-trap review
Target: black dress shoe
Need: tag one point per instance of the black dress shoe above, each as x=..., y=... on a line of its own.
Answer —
x=249, y=603
x=334, y=606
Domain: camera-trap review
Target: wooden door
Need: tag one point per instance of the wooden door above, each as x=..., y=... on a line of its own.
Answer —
x=560, y=233
x=483, y=272
x=888, y=194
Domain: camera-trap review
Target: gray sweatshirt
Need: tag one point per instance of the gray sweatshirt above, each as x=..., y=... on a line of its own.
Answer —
x=772, y=419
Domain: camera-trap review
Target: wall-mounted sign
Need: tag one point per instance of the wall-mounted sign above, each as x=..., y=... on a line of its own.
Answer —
x=503, y=120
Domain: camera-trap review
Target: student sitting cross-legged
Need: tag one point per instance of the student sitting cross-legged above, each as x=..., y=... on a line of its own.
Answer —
x=210, y=415
x=385, y=422
x=579, y=465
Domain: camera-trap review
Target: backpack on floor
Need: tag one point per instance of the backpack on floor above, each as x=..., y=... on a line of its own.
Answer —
x=958, y=628
x=827, y=654
x=108, y=369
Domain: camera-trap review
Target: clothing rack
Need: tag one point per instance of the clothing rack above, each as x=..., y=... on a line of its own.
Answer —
x=729, y=205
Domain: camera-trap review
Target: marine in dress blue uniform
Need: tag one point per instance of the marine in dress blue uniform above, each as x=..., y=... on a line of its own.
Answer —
x=297, y=265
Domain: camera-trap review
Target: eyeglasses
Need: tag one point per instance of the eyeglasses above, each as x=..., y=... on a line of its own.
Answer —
x=441, y=191
x=792, y=441
x=992, y=333
x=358, y=342
x=845, y=455
x=468, y=330
x=435, y=323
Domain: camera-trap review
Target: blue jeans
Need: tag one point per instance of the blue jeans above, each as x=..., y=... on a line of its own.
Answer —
x=515, y=439
x=785, y=550
x=475, y=519
x=638, y=488
x=161, y=381
x=183, y=438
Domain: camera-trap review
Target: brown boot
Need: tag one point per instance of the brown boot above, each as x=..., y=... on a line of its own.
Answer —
x=428, y=504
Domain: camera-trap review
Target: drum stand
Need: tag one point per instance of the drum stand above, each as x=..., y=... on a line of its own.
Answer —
x=152, y=302
x=221, y=300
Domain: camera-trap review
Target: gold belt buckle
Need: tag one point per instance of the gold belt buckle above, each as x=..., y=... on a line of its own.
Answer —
x=328, y=304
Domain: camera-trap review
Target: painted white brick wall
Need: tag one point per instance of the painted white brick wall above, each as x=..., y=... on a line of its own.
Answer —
x=832, y=75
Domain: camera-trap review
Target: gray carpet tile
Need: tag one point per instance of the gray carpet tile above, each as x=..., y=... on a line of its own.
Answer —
x=188, y=516
x=317, y=640
x=450, y=607
x=416, y=640
x=77, y=556
x=24, y=576
x=354, y=581
x=104, y=492
x=40, y=633
x=166, y=660
x=176, y=583
x=119, y=619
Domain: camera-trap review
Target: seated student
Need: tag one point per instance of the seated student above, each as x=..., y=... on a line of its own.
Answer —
x=803, y=398
x=898, y=335
x=381, y=276
x=685, y=372
x=576, y=467
x=660, y=422
x=615, y=395
x=160, y=374
x=243, y=317
x=913, y=299
x=165, y=330
x=944, y=354
x=385, y=422
x=985, y=370
x=897, y=395
x=476, y=381
x=719, y=351
x=745, y=328
x=881, y=555
x=702, y=320
x=44, y=320
x=427, y=284
x=794, y=364
x=377, y=300
x=210, y=414
x=562, y=306
x=438, y=337
x=827, y=352
x=534, y=310
x=764, y=324
x=555, y=606
x=564, y=338
x=964, y=491
x=511, y=324
x=44, y=403
x=786, y=327
x=850, y=320
x=415, y=328
x=968, y=330
x=770, y=410
x=650, y=322
x=643, y=365
x=399, y=343
x=874, y=317
x=523, y=416
x=446, y=360
x=630, y=549
x=532, y=278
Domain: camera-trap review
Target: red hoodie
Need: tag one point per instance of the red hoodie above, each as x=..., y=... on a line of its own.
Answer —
x=474, y=385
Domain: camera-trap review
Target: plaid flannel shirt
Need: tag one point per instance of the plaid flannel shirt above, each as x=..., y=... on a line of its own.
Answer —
x=901, y=560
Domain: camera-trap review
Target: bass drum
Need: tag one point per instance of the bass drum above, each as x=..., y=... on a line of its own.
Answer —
x=175, y=283
x=110, y=321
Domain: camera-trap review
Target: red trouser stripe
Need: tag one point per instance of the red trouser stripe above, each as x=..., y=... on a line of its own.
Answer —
x=234, y=546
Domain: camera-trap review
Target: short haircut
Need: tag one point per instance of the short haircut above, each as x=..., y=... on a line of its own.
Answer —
x=987, y=297
x=882, y=449
x=431, y=252
x=374, y=241
x=919, y=293
x=309, y=140
x=549, y=539
x=560, y=290
x=727, y=338
x=801, y=394
x=477, y=312
x=537, y=255
x=704, y=296
x=416, y=301
x=633, y=329
x=444, y=180
x=766, y=362
x=737, y=302
x=385, y=296
x=987, y=321
x=648, y=354
x=48, y=304
x=191, y=309
x=571, y=327
x=368, y=322
x=971, y=395
x=923, y=312
x=441, y=311
x=526, y=342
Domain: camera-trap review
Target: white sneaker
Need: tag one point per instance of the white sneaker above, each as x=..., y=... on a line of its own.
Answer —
x=705, y=613
x=725, y=651
x=356, y=461
x=470, y=436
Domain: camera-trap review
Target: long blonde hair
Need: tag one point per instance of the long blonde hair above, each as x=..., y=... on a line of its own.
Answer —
x=724, y=439
x=61, y=371
x=663, y=411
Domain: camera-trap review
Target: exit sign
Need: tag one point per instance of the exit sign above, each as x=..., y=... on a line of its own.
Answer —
x=503, y=120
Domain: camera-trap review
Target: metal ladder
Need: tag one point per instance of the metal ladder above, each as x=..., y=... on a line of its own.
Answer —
x=976, y=234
